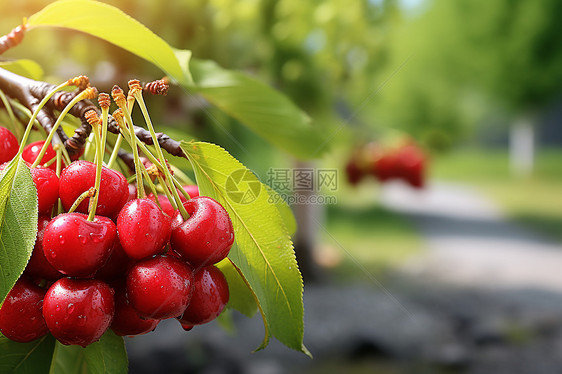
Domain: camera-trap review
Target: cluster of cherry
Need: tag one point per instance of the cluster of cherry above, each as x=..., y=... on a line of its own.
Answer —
x=406, y=162
x=132, y=264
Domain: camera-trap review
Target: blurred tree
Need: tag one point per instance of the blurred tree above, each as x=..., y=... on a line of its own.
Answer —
x=473, y=56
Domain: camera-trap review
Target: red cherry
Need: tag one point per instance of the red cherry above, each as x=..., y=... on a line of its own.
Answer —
x=79, y=176
x=77, y=247
x=411, y=165
x=21, y=319
x=206, y=237
x=78, y=311
x=160, y=287
x=210, y=296
x=132, y=192
x=31, y=151
x=353, y=172
x=8, y=145
x=143, y=229
x=38, y=266
x=385, y=167
x=126, y=321
x=47, y=184
x=117, y=264
x=165, y=204
x=192, y=190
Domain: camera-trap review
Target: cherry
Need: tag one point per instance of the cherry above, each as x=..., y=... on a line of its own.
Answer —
x=354, y=172
x=47, y=184
x=8, y=145
x=132, y=192
x=78, y=311
x=21, y=319
x=210, y=296
x=77, y=247
x=117, y=264
x=411, y=165
x=143, y=229
x=38, y=266
x=206, y=237
x=126, y=321
x=385, y=167
x=79, y=176
x=31, y=151
x=192, y=191
x=160, y=287
x=165, y=204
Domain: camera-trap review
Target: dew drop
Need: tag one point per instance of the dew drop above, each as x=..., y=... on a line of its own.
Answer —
x=70, y=308
x=81, y=320
x=61, y=240
x=96, y=238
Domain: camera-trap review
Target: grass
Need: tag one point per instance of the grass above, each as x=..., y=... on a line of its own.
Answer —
x=535, y=200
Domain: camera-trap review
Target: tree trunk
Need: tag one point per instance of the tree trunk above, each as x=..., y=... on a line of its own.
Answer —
x=308, y=217
x=522, y=146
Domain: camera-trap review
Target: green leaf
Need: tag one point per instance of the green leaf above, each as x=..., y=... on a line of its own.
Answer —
x=111, y=24
x=284, y=209
x=264, y=110
x=264, y=252
x=26, y=68
x=241, y=296
x=26, y=358
x=18, y=215
x=68, y=359
x=106, y=356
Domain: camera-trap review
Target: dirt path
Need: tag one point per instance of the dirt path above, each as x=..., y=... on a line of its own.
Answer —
x=470, y=243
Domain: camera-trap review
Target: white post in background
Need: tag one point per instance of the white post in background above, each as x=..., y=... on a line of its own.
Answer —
x=522, y=147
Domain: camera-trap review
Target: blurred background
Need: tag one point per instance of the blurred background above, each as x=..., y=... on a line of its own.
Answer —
x=447, y=261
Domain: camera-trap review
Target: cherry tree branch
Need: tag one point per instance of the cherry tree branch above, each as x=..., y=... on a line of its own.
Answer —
x=30, y=92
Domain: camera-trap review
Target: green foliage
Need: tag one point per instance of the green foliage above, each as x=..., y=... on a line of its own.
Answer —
x=471, y=61
x=26, y=68
x=241, y=297
x=263, y=252
x=26, y=358
x=114, y=26
x=264, y=110
x=106, y=356
x=267, y=112
x=18, y=215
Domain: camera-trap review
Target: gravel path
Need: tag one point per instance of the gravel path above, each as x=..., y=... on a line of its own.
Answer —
x=470, y=243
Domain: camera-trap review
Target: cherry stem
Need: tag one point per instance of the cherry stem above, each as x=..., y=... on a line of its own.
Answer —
x=181, y=176
x=10, y=113
x=178, y=185
x=35, y=114
x=167, y=192
x=86, y=194
x=99, y=165
x=87, y=93
x=104, y=119
x=115, y=151
x=138, y=96
x=23, y=109
x=150, y=185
